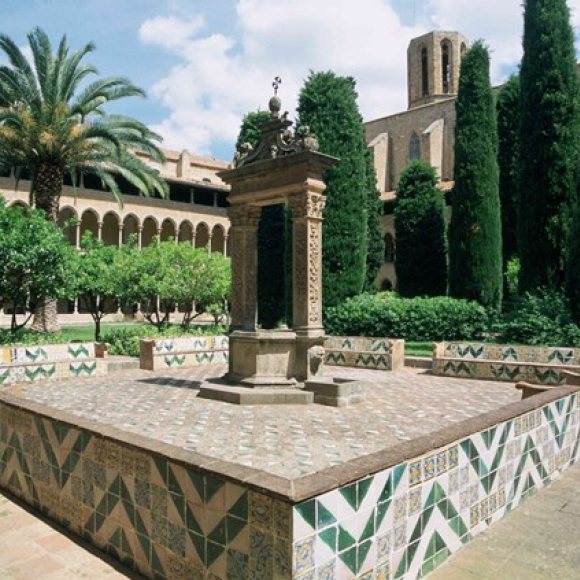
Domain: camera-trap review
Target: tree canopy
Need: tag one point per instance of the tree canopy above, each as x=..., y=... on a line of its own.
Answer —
x=548, y=143
x=475, y=254
x=328, y=105
x=421, y=262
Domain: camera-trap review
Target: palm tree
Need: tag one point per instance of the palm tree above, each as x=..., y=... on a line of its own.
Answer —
x=54, y=123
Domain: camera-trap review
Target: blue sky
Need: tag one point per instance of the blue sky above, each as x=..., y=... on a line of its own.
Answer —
x=204, y=63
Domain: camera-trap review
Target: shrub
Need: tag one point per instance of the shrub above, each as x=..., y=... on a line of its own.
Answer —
x=416, y=319
x=542, y=318
x=24, y=337
x=125, y=341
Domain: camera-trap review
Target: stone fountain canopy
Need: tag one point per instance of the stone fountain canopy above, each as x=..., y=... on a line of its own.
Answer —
x=284, y=168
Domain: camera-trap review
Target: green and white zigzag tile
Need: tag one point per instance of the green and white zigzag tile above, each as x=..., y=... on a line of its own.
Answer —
x=80, y=352
x=174, y=360
x=5, y=376
x=335, y=358
x=86, y=369
x=40, y=372
x=35, y=354
x=380, y=346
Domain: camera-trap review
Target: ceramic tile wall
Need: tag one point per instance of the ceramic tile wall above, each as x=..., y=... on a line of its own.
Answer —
x=162, y=518
x=51, y=361
x=406, y=520
x=539, y=365
x=370, y=353
x=187, y=351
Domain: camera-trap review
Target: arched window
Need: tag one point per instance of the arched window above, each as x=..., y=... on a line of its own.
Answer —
x=463, y=49
x=424, y=72
x=414, y=147
x=446, y=66
x=389, y=248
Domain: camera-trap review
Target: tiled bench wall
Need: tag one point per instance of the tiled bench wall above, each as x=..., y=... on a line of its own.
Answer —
x=168, y=518
x=368, y=353
x=404, y=521
x=185, y=351
x=540, y=365
x=158, y=516
x=25, y=364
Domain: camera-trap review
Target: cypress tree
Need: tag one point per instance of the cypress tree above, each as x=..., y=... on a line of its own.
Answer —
x=272, y=288
x=375, y=241
x=421, y=262
x=327, y=104
x=508, y=121
x=475, y=256
x=548, y=143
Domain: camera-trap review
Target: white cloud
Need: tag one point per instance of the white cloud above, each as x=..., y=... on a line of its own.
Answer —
x=218, y=78
x=499, y=23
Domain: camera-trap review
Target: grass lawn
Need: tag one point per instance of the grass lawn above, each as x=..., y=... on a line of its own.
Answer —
x=86, y=332
x=418, y=348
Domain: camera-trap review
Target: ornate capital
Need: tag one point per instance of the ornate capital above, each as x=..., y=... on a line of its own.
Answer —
x=244, y=215
x=307, y=205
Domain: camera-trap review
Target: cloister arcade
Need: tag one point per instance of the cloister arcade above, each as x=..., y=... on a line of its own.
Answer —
x=117, y=228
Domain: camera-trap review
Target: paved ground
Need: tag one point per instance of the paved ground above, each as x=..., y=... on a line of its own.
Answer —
x=286, y=440
x=538, y=541
x=31, y=549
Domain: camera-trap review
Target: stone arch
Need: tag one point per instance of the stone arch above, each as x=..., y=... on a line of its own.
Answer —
x=110, y=232
x=150, y=226
x=201, y=235
x=66, y=215
x=414, y=147
x=19, y=203
x=89, y=223
x=446, y=66
x=218, y=239
x=387, y=285
x=168, y=230
x=185, y=231
x=130, y=227
x=389, y=248
x=463, y=49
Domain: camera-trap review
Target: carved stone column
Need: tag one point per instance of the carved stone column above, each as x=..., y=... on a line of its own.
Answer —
x=244, y=234
x=307, y=211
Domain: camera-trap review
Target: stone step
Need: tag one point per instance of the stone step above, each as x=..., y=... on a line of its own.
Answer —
x=256, y=396
x=418, y=362
x=122, y=363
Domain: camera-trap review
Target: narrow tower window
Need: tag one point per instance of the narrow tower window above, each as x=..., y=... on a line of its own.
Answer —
x=424, y=72
x=445, y=67
x=414, y=148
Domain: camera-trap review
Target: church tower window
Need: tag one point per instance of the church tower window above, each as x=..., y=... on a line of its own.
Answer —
x=414, y=148
x=446, y=66
x=424, y=72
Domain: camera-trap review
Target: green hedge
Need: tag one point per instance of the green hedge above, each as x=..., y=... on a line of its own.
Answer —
x=416, y=319
x=125, y=341
x=542, y=318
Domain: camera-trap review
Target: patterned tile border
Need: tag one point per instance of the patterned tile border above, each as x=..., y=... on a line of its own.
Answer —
x=186, y=351
x=362, y=352
x=176, y=514
x=26, y=364
x=540, y=365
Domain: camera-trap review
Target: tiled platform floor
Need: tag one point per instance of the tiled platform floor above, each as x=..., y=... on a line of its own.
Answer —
x=32, y=549
x=289, y=441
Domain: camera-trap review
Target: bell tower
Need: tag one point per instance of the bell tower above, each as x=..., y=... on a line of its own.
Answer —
x=433, y=62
